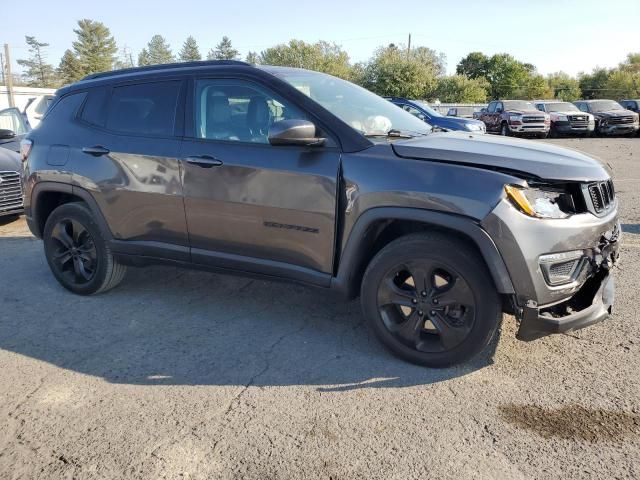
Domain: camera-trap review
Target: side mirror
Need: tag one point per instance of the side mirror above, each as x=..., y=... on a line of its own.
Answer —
x=6, y=134
x=422, y=117
x=294, y=132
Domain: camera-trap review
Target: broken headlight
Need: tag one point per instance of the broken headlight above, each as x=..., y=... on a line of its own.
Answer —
x=541, y=202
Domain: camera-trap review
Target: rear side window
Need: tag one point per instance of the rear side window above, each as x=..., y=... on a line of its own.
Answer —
x=144, y=109
x=94, y=111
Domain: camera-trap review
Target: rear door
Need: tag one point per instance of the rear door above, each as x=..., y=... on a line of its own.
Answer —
x=251, y=205
x=128, y=158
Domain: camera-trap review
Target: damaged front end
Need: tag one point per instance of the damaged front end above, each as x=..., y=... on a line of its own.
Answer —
x=592, y=302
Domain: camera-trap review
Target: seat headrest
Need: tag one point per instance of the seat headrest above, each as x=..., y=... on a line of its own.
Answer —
x=218, y=109
x=258, y=114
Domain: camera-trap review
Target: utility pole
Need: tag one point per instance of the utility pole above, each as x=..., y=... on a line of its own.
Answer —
x=409, y=47
x=1, y=68
x=7, y=57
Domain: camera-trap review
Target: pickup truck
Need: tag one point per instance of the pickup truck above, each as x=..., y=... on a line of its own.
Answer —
x=517, y=118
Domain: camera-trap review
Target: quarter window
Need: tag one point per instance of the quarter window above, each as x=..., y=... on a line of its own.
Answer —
x=93, y=111
x=144, y=109
x=237, y=110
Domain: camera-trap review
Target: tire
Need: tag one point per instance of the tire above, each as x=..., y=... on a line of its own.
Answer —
x=77, y=253
x=427, y=327
x=504, y=130
x=543, y=135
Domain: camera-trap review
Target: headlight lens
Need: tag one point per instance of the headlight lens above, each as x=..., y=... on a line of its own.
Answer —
x=536, y=202
x=515, y=118
x=562, y=118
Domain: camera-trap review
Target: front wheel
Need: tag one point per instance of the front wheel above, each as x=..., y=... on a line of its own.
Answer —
x=504, y=130
x=77, y=253
x=431, y=300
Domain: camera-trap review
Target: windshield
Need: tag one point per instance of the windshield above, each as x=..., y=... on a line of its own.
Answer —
x=605, y=105
x=518, y=105
x=561, y=107
x=365, y=111
x=425, y=106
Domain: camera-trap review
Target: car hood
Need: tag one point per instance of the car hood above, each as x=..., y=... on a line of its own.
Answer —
x=9, y=161
x=614, y=113
x=533, y=159
x=526, y=112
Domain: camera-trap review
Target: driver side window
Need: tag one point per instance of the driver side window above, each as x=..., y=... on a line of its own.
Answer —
x=238, y=110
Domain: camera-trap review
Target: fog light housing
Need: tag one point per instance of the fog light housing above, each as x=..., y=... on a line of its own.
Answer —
x=561, y=268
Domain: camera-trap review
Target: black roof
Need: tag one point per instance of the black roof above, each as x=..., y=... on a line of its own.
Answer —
x=164, y=66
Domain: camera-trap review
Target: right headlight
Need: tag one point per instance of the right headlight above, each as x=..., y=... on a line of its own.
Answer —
x=539, y=202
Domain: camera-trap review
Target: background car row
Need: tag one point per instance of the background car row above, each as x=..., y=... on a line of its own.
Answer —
x=539, y=118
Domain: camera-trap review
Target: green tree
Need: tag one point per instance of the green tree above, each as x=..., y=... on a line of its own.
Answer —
x=564, y=87
x=391, y=72
x=320, y=56
x=157, y=52
x=124, y=59
x=95, y=47
x=190, y=51
x=594, y=84
x=534, y=86
x=461, y=89
x=622, y=84
x=253, y=58
x=474, y=65
x=632, y=64
x=437, y=62
x=39, y=73
x=223, y=51
x=505, y=75
x=69, y=70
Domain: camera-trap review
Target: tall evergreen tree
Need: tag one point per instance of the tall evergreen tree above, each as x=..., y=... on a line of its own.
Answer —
x=190, y=51
x=223, y=51
x=158, y=51
x=95, y=47
x=143, y=58
x=253, y=58
x=69, y=70
x=38, y=72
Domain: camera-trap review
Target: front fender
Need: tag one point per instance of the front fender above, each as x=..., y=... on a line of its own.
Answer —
x=346, y=279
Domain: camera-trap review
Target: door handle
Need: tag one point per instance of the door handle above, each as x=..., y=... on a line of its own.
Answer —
x=204, y=161
x=96, y=150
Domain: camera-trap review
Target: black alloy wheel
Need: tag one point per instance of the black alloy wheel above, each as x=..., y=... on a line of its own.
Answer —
x=74, y=256
x=427, y=306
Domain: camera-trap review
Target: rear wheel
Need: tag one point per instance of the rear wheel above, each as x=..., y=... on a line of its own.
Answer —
x=430, y=300
x=77, y=253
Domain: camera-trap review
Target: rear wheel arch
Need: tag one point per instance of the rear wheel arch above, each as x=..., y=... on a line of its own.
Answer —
x=47, y=196
x=378, y=227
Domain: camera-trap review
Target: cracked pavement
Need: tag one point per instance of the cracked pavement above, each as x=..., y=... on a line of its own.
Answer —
x=189, y=375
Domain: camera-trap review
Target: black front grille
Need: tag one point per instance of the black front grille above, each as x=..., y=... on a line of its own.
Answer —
x=620, y=120
x=10, y=191
x=533, y=119
x=602, y=195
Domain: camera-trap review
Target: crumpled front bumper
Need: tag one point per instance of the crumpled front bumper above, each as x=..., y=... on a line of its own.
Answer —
x=592, y=303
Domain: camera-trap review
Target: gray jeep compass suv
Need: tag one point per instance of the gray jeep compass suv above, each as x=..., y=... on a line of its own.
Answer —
x=291, y=174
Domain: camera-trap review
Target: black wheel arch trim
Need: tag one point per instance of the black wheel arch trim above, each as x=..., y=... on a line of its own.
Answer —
x=32, y=213
x=345, y=281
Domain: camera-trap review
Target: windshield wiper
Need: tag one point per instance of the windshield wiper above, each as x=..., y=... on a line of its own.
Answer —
x=395, y=133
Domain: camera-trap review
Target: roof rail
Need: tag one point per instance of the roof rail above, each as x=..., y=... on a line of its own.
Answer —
x=164, y=66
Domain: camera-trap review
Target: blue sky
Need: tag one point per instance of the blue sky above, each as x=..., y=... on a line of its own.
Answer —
x=554, y=35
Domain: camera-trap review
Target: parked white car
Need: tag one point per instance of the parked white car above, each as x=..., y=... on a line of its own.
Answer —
x=566, y=118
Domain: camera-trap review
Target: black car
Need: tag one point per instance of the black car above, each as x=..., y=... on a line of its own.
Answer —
x=611, y=118
x=631, y=104
x=284, y=173
x=424, y=112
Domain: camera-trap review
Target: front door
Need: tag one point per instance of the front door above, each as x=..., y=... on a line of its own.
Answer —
x=251, y=205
